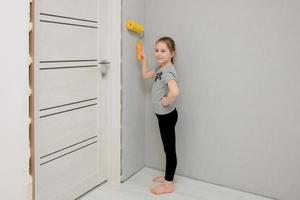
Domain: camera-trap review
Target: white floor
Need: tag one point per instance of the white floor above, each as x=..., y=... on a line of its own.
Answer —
x=137, y=188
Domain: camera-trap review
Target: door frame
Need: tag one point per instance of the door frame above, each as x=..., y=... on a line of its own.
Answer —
x=113, y=83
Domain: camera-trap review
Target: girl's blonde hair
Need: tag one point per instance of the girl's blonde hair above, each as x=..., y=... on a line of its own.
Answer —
x=170, y=44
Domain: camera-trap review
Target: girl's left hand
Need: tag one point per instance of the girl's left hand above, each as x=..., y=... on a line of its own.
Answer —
x=164, y=102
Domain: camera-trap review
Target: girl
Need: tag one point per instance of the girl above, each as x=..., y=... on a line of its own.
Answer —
x=164, y=93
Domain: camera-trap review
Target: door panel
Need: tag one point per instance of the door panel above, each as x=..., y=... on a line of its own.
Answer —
x=60, y=177
x=71, y=8
x=63, y=86
x=59, y=131
x=69, y=152
x=69, y=41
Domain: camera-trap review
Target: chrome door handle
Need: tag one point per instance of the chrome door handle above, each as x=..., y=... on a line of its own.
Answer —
x=104, y=66
x=104, y=62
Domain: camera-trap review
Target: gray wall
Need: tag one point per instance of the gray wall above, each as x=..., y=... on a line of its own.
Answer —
x=239, y=112
x=133, y=97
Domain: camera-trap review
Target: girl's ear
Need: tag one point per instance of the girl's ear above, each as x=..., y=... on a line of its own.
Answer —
x=173, y=54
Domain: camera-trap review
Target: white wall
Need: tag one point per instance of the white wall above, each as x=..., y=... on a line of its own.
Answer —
x=133, y=97
x=14, y=135
x=239, y=112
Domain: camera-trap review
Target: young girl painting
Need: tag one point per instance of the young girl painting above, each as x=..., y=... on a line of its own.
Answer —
x=165, y=90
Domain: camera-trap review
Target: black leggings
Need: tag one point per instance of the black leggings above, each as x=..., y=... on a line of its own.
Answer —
x=167, y=124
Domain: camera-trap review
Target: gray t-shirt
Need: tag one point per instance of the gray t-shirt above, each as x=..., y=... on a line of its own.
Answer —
x=160, y=89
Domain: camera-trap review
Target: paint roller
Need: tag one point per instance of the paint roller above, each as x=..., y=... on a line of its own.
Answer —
x=139, y=30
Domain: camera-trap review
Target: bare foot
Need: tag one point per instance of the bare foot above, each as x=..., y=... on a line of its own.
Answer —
x=158, y=179
x=164, y=188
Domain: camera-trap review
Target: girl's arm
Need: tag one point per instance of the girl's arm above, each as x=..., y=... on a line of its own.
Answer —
x=146, y=72
x=172, y=95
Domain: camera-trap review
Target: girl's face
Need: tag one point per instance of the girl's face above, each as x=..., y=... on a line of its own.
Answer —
x=162, y=54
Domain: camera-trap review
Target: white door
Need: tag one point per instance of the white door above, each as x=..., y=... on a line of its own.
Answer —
x=68, y=143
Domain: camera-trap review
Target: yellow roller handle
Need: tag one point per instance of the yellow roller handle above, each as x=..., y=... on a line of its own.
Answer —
x=138, y=29
x=135, y=27
x=139, y=50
